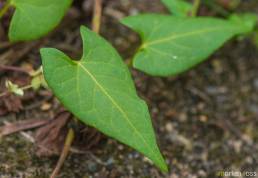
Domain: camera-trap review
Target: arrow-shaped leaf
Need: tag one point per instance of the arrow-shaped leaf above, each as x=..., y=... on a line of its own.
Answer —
x=99, y=90
x=35, y=18
x=172, y=45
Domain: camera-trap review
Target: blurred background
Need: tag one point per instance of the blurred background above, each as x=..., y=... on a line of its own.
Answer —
x=206, y=119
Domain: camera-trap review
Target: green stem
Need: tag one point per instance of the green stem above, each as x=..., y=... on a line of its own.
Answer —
x=5, y=9
x=196, y=6
x=26, y=87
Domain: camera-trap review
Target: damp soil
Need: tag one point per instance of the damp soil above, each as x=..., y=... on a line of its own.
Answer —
x=206, y=120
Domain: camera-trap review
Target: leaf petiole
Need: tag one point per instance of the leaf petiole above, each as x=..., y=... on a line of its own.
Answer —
x=196, y=6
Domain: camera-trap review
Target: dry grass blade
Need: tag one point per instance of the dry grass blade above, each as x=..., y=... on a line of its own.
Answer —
x=22, y=125
x=64, y=154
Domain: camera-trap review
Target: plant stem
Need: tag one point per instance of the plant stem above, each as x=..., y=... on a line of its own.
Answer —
x=68, y=142
x=96, y=21
x=26, y=87
x=196, y=6
x=5, y=9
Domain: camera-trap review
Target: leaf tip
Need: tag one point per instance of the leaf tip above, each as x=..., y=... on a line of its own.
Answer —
x=164, y=167
x=161, y=164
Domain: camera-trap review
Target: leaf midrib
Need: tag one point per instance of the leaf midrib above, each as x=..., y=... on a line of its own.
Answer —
x=181, y=35
x=117, y=106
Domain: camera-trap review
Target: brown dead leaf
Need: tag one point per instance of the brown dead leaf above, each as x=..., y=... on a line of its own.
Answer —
x=88, y=137
x=50, y=138
x=10, y=103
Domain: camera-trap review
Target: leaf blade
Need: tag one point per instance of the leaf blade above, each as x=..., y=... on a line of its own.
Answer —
x=174, y=44
x=112, y=105
x=35, y=18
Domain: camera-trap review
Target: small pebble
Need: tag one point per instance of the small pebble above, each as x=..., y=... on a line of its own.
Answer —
x=173, y=176
x=169, y=127
x=92, y=167
x=203, y=118
x=182, y=117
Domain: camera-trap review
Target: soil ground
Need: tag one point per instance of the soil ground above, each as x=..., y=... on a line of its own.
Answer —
x=206, y=119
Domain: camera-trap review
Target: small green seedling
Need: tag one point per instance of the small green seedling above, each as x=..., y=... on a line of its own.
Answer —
x=98, y=88
x=35, y=18
x=14, y=88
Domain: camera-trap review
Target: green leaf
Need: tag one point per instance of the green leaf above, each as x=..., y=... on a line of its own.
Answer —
x=178, y=7
x=249, y=20
x=35, y=18
x=99, y=90
x=171, y=45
